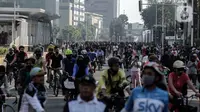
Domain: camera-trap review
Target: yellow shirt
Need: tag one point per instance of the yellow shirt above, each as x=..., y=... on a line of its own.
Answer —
x=117, y=79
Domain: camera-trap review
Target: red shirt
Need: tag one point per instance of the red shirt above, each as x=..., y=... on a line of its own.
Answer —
x=178, y=81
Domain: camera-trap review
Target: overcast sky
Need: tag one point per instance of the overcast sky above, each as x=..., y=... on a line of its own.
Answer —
x=131, y=9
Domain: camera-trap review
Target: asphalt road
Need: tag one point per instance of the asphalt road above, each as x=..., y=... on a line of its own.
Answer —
x=56, y=104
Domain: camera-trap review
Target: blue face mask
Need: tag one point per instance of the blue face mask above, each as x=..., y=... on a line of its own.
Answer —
x=148, y=80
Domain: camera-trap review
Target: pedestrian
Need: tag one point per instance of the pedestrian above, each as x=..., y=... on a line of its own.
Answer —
x=86, y=100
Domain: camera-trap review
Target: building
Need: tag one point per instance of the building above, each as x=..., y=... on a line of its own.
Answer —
x=134, y=32
x=108, y=8
x=51, y=6
x=72, y=12
x=31, y=27
x=95, y=20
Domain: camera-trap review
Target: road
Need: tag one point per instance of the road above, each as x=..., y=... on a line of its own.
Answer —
x=56, y=104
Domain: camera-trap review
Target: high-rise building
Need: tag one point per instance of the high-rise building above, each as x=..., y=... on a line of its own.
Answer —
x=108, y=8
x=72, y=12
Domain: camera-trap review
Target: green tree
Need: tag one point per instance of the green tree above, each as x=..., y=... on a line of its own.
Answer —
x=71, y=33
x=55, y=31
x=149, y=15
x=117, y=26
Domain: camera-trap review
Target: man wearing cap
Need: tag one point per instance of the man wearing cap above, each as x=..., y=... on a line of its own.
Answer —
x=86, y=101
x=34, y=96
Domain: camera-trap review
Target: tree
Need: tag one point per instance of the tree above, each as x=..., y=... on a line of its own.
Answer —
x=71, y=33
x=117, y=26
x=149, y=15
x=55, y=31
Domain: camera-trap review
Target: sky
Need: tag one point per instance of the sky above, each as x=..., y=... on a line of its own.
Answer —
x=131, y=10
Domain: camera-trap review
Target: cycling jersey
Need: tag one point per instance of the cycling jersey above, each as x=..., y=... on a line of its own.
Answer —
x=143, y=100
x=117, y=80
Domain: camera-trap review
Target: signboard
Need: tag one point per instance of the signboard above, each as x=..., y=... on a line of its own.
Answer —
x=184, y=14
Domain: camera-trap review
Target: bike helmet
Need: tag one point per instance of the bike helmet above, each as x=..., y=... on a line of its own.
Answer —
x=83, y=52
x=158, y=68
x=112, y=61
x=36, y=71
x=68, y=52
x=178, y=64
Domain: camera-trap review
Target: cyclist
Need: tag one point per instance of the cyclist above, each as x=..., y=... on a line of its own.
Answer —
x=9, y=59
x=149, y=97
x=113, y=80
x=3, y=80
x=34, y=97
x=92, y=55
x=20, y=57
x=86, y=57
x=100, y=56
x=48, y=57
x=178, y=82
x=80, y=70
x=39, y=60
x=24, y=78
x=86, y=101
x=56, y=60
x=15, y=49
x=68, y=64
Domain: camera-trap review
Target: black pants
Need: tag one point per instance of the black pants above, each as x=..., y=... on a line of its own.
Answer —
x=193, y=78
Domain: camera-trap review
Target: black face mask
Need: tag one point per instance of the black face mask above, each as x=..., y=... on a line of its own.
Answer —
x=29, y=67
x=10, y=52
x=114, y=72
x=69, y=57
x=38, y=55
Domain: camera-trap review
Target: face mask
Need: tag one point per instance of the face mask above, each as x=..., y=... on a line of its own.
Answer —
x=29, y=67
x=114, y=72
x=148, y=80
x=38, y=55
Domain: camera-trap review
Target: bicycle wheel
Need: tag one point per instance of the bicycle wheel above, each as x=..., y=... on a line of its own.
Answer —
x=7, y=108
x=129, y=78
x=56, y=87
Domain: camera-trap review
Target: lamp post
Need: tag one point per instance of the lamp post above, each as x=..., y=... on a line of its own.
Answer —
x=14, y=23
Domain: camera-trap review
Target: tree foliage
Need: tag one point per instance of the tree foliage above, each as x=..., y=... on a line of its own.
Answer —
x=117, y=26
x=149, y=15
x=78, y=33
x=55, y=31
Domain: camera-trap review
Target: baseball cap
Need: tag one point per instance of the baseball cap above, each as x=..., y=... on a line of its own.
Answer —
x=37, y=71
x=88, y=79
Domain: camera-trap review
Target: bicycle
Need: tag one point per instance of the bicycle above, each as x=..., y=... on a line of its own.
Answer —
x=6, y=107
x=68, y=83
x=182, y=104
x=56, y=80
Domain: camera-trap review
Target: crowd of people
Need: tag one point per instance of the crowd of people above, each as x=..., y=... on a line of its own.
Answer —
x=157, y=80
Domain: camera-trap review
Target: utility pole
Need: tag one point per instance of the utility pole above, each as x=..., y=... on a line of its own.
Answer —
x=163, y=35
x=192, y=25
x=14, y=23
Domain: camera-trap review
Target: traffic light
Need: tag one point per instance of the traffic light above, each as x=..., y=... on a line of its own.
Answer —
x=140, y=5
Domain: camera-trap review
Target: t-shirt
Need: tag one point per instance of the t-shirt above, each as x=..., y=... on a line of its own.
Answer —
x=178, y=81
x=56, y=60
x=21, y=57
x=143, y=100
x=10, y=57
